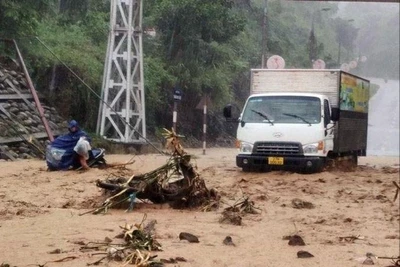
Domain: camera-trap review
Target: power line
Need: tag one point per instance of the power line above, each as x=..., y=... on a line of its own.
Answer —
x=97, y=95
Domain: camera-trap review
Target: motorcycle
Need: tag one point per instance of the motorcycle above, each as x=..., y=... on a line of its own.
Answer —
x=62, y=159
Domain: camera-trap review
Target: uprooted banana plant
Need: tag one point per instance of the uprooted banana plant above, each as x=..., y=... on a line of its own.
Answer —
x=233, y=214
x=136, y=250
x=244, y=205
x=175, y=182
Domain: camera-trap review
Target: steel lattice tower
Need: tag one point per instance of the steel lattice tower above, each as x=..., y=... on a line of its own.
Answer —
x=122, y=109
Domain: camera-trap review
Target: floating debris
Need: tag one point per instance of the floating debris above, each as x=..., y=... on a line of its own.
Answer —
x=233, y=214
x=231, y=217
x=176, y=183
x=245, y=205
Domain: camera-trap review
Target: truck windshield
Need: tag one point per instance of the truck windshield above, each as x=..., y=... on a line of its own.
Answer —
x=283, y=109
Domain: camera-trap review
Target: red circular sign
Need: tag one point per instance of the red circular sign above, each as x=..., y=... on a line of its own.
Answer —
x=275, y=62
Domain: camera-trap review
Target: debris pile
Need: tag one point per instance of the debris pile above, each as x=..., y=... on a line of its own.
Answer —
x=176, y=183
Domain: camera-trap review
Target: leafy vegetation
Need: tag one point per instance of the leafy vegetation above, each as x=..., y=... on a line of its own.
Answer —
x=202, y=47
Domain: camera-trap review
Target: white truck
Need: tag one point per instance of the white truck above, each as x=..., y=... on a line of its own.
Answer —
x=302, y=119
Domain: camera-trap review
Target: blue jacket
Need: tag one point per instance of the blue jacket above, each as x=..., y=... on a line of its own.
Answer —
x=66, y=144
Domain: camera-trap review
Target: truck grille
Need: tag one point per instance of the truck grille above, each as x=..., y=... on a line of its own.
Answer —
x=277, y=148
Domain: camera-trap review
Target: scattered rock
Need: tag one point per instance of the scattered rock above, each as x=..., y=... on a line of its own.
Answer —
x=189, y=237
x=368, y=261
x=304, y=254
x=262, y=197
x=296, y=240
x=347, y=220
x=300, y=204
x=228, y=241
x=56, y=251
x=173, y=260
x=320, y=221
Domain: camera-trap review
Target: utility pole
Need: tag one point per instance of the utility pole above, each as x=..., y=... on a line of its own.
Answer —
x=174, y=115
x=177, y=98
x=264, y=36
x=205, y=123
x=204, y=104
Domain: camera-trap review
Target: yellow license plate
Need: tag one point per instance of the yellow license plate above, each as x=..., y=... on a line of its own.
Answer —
x=275, y=160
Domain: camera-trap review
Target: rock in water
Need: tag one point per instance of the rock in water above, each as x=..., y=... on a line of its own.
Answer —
x=304, y=254
x=296, y=240
x=228, y=241
x=368, y=261
x=189, y=237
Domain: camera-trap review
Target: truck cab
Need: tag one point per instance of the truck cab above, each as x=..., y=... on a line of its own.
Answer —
x=284, y=129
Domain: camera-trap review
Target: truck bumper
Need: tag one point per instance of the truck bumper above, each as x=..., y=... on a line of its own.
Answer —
x=256, y=162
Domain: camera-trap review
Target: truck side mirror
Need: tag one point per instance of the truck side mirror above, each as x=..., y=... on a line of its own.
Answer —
x=335, y=114
x=228, y=112
x=231, y=113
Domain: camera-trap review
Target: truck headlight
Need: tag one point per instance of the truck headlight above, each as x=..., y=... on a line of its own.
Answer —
x=310, y=149
x=313, y=148
x=246, y=147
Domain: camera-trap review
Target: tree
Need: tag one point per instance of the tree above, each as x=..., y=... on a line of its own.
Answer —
x=195, y=38
x=20, y=18
x=312, y=45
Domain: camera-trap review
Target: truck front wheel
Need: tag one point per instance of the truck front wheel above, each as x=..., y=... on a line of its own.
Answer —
x=251, y=168
x=315, y=168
